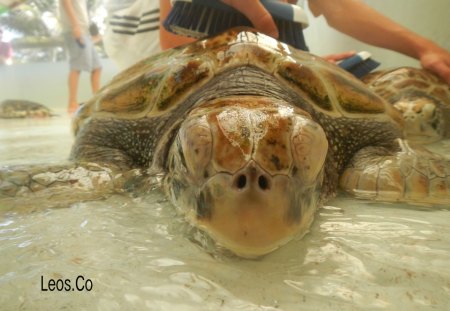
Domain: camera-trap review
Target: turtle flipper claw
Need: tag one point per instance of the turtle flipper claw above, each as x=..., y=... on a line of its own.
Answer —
x=58, y=184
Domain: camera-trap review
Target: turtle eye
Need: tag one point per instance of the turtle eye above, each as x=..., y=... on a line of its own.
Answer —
x=196, y=142
x=294, y=170
x=429, y=111
x=310, y=148
x=401, y=106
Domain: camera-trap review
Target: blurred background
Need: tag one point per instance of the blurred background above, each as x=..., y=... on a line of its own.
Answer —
x=38, y=69
x=39, y=66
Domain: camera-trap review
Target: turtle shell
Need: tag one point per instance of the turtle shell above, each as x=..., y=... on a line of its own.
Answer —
x=132, y=121
x=18, y=108
x=157, y=85
x=410, y=83
x=394, y=83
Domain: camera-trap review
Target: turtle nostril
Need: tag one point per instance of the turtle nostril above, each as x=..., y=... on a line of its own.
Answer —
x=241, y=181
x=263, y=183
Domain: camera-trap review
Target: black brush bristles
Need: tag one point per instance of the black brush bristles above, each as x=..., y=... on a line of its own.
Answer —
x=359, y=64
x=198, y=21
x=291, y=33
x=363, y=68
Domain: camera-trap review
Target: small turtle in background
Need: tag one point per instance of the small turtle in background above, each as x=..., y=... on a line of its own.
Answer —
x=420, y=96
x=17, y=108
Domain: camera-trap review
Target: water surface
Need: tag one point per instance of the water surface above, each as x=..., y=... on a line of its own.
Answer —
x=138, y=254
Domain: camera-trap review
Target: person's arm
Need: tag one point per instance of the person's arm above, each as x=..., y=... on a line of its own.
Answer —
x=68, y=8
x=252, y=9
x=360, y=21
x=257, y=14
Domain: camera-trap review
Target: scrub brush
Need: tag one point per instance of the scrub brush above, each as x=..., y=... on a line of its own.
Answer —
x=359, y=64
x=201, y=18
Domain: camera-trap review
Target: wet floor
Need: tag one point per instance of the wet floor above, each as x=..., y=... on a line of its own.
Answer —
x=136, y=253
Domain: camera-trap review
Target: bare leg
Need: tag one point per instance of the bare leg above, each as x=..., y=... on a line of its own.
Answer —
x=95, y=79
x=74, y=76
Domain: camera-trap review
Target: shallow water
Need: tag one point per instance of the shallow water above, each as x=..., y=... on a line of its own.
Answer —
x=40, y=140
x=136, y=252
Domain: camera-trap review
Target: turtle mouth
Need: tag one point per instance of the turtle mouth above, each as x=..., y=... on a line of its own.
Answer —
x=251, y=212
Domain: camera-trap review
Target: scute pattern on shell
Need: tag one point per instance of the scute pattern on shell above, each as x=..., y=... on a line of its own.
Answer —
x=410, y=83
x=392, y=84
x=156, y=85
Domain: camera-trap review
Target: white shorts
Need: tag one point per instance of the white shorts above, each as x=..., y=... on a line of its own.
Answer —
x=82, y=57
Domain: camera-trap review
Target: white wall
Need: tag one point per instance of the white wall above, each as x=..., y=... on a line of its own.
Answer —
x=429, y=18
x=46, y=82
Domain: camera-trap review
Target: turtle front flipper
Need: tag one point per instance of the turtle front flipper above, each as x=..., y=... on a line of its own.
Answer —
x=62, y=184
x=412, y=175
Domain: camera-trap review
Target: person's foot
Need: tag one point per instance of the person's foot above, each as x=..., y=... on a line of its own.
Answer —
x=72, y=108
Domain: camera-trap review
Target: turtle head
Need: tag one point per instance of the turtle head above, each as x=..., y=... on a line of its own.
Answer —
x=422, y=121
x=248, y=171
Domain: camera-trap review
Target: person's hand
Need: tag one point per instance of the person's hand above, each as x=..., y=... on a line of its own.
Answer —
x=76, y=31
x=257, y=14
x=438, y=62
x=333, y=58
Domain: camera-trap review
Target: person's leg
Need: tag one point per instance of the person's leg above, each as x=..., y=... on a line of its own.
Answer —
x=74, y=77
x=95, y=79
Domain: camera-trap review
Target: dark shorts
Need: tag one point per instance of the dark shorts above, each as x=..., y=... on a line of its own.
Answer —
x=82, y=58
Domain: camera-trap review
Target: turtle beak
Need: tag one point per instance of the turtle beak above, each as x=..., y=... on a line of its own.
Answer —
x=254, y=213
x=422, y=123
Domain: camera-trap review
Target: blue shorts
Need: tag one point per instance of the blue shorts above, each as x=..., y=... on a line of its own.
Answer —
x=82, y=58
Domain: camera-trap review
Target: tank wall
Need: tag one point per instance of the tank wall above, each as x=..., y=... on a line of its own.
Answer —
x=46, y=82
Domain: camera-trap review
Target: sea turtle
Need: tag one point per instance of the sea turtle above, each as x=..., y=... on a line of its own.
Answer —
x=421, y=97
x=17, y=108
x=251, y=137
